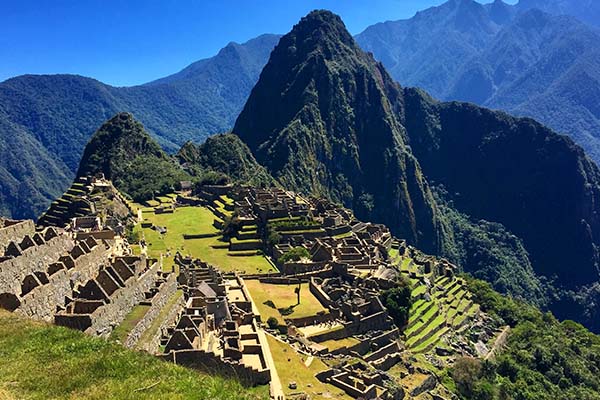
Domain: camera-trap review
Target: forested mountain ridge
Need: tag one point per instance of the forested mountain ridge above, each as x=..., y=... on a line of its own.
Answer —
x=321, y=120
x=540, y=64
x=340, y=127
x=47, y=119
x=123, y=152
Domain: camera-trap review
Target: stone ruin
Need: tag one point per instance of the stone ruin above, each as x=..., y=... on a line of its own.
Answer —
x=52, y=275
x=217, y=328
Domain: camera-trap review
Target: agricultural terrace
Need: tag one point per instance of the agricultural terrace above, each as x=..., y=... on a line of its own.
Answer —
x=446, y=305
x=210, y=247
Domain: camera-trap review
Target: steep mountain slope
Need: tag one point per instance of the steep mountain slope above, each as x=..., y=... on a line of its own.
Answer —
x=429, y=49
x=54, y=116
x=224, y=154
x=24, y=156
x=325, y=118
x=513, y=58
x=538, y=184
x=587, y=11
x=125, y=153
x=321, y=119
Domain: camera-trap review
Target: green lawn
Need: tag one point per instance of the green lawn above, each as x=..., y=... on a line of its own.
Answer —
x=153, y=328
x=196, y=220
x=41, y=361
x=338, y=344
x=283, y=296
x=291, y=368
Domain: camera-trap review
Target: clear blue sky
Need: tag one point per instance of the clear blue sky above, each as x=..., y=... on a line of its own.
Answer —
x=128, y=42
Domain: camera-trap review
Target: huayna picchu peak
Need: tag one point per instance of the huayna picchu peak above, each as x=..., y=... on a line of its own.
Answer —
x=322, y=119
x=325, y=118
x=348, y=237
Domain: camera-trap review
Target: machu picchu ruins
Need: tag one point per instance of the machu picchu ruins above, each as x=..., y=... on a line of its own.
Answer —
x=106, y=269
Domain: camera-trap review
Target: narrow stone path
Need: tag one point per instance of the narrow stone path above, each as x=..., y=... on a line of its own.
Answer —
x=499, y=343
x=275, y=386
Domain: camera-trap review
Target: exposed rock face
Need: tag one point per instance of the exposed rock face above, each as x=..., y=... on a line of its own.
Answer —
x=322, y=119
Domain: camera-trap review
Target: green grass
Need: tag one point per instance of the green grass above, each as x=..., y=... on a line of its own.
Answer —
x=419, y=290
x=291, y=368
x=430, y=342
x=137, y=313
x=226, y=199
x=283, y=296
x=197, y=220
x=165, y=199
x=338, y=344
x=343, y=235
x=153, y=328
x=41, y=361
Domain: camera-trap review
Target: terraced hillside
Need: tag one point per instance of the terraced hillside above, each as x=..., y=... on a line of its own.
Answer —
x=72, y=203
x=197, y=230
x=86, y=197
x=442, y=306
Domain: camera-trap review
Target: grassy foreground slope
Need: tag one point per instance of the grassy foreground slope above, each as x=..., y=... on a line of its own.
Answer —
x=41, y=361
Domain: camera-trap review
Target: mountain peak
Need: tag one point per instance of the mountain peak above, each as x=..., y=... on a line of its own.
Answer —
x=322, y=30
x=323, y=120
x=121, y=137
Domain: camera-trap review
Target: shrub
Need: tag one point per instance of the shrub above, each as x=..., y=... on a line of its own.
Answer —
x=295, y=254
x=272, y=323
x=398, y=301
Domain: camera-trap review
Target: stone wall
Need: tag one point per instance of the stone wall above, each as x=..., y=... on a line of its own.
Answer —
x=49, y=287
x=152, y=345
x=166, y=290
x=14, y=231
x=106, y=318
x=206, y=361
x=34, y=259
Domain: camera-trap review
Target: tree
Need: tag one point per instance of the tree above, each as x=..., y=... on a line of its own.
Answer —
x=398, y=301
x=466, y=372
x=295, y=254
x=272, y=322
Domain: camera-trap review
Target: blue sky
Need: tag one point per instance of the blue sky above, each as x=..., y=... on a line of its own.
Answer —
x=129, y=42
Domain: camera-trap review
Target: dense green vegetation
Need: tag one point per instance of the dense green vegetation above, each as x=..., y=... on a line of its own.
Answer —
x=320, y=120
x=488, y=251
x=295, y=254
x=41, y=361
x=341, y=129
x=46, y=120
x=124, y=152
x=516, y=193
x=544, y=358
x=223, y=158
x=398, y=301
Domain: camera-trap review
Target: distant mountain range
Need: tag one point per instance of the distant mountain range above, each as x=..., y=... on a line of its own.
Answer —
x=514, y=58
x=46, y=120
